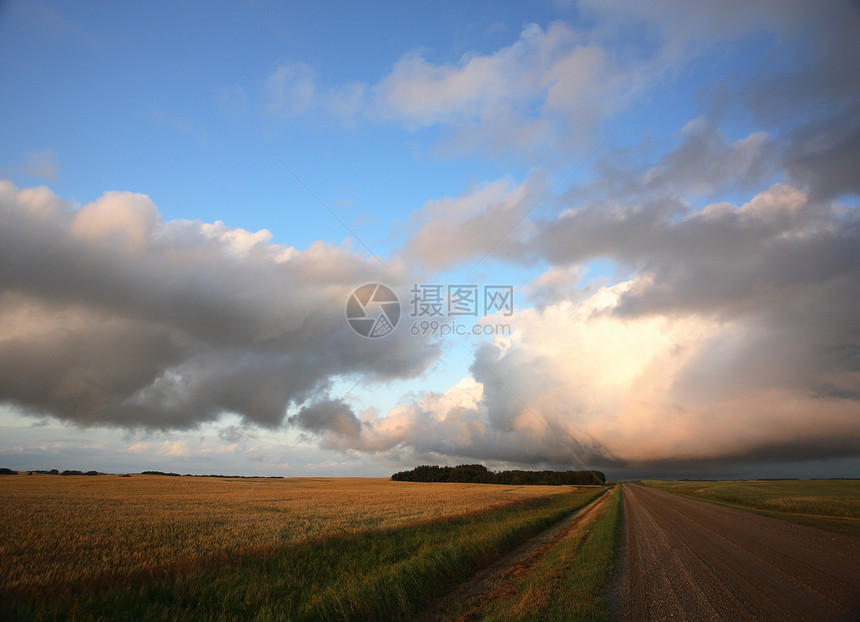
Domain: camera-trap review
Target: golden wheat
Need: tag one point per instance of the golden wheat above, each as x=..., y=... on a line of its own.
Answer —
x=68, y=529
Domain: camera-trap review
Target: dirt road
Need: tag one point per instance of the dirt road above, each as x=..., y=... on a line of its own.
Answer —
x=690, y=560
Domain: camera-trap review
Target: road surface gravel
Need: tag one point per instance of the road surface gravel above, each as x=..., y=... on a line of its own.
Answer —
x=685, y=559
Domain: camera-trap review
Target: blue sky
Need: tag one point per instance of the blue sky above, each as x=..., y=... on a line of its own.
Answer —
x=670, y=189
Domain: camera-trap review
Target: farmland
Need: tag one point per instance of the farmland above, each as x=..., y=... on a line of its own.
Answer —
x=158, y=547
x=344, y=545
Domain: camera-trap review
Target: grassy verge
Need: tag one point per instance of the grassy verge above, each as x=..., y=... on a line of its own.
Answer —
x=569, y=581
x=564, y=580
x=827, y=504
x=384, y=574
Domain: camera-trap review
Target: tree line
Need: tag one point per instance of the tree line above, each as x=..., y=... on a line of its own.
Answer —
x=479, y=474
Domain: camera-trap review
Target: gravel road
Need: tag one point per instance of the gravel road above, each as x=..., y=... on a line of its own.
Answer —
x=690, y=560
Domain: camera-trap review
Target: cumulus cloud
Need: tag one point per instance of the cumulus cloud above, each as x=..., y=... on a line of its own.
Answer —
x=110, y=315
x=825, y=155
x=732, y=335
x=455, y=424
x=451, y=230
x=580, y=383
x=705, y=163
x=723, y=259
x=652, y=389
x=551, y=87
x=495, y=218
x=736, y=339
x=328, y=416
x=804, y=89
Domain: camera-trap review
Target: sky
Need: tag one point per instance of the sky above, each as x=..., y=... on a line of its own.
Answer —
x=331, y=238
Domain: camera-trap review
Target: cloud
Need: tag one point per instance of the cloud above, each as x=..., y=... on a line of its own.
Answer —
x=173, y=448
x=551, y=87
x=452, y=230
x=494, y=218
x=41, y=164
x=290, y=89
x=110, y=315
x=734, y=339
x=705, y=163
x=650, y=389
x=548, y=87
x=802, y=87
x=235, y=433
x=825, y=155
x=723, y=260
x=328, y=415
x=556, y=284
x=580, y=383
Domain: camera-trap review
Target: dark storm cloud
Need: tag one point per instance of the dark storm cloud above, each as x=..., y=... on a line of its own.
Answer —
x=110, y=315
x=808, y=96
x=328, y=416
x=723, y=259
x=825, y=155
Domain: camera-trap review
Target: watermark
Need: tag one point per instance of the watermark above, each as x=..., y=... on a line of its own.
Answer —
x=435, y=328
x=373, y=310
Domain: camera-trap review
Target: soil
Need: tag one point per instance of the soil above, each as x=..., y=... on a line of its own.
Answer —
x=684, y=559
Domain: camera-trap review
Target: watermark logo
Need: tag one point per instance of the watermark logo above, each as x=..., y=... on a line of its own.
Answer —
x=373, y=310
x=434, y=301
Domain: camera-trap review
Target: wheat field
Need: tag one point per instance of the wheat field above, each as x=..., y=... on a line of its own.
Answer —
x=68, y=530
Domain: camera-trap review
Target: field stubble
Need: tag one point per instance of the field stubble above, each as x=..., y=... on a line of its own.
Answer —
x=76, y=530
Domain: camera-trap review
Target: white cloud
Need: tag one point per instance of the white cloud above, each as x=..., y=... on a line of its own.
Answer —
x=123, y=220
x=544, y=89
x=173, y=448
x=736, y=339
x=451, y=230
x=577, y=383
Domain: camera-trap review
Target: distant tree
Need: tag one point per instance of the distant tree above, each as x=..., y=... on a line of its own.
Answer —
x=5, y=471
x=478, y=474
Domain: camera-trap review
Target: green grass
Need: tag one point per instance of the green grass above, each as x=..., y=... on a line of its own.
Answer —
x=570, y=580
x=373, y=575
x=564, y=580
x=828, y=504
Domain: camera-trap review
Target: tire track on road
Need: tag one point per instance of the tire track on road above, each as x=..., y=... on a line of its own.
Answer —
x=687, y=559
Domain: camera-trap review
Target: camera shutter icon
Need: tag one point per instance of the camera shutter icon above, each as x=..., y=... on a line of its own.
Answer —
x=373, y=310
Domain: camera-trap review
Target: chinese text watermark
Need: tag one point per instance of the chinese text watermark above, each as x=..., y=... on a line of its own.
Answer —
x=373, y=310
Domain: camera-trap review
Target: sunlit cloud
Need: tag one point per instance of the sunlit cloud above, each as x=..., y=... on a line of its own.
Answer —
x=113, y=316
